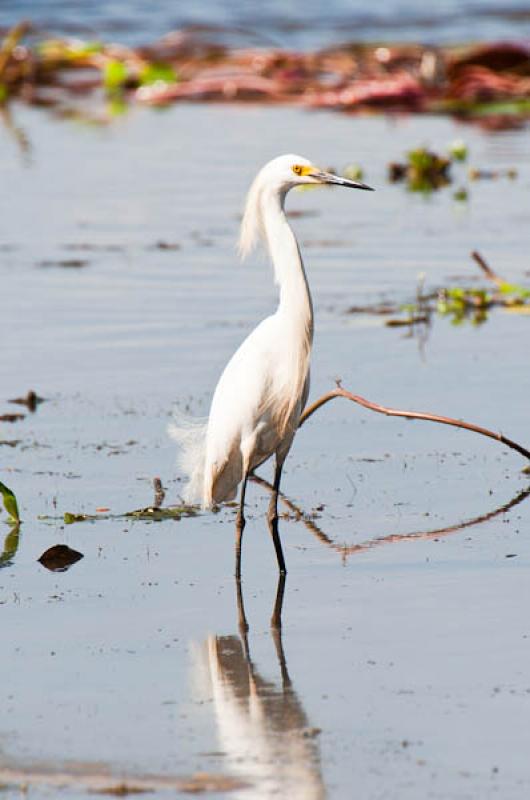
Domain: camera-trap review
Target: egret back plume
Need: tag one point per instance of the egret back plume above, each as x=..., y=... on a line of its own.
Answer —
x=252, y=223
x=190, y=434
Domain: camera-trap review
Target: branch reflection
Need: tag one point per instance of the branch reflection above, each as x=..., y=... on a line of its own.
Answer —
x=346, y=550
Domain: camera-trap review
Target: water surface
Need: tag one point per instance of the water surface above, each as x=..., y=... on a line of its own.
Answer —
x=403, y=666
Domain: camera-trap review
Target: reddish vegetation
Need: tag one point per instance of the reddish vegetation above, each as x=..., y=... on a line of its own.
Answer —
x=183, y=66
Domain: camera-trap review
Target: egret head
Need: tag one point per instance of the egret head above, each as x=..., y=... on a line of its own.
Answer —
x=284, y=172
x=274, y=181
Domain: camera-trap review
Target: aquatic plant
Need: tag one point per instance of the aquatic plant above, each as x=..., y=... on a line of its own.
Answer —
x=10, y=503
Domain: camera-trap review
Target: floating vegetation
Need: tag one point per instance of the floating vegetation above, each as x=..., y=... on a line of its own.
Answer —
x=154, y=513
x=458, y=303
x=488, y=83
x=423, y=170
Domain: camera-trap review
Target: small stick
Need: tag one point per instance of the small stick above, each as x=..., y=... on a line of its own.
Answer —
x=486, y=269
x=9, y=43
x=159, y=493
x=396, y=412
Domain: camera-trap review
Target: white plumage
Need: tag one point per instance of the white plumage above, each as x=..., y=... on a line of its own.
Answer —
x=260, y=395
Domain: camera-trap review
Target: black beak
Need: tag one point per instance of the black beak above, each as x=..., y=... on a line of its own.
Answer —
x=336, y=180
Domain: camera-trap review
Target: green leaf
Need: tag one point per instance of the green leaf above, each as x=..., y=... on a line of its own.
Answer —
x=10, y=502
x=153, y=73
x=515, y=289
x=114, y=75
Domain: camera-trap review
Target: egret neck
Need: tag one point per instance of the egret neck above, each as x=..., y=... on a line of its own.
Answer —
x=295, y=304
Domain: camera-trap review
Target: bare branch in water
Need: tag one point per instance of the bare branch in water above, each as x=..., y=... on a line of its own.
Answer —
x=486, y=269
x=396, y=412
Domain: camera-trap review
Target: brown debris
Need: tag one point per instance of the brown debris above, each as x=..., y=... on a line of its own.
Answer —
x=11, y=417
x=185, y=66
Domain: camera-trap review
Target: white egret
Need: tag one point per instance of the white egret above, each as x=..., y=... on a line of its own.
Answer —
x=262, y=392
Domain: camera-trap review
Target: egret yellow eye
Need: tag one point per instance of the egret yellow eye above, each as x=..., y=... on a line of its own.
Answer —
x=297, y=169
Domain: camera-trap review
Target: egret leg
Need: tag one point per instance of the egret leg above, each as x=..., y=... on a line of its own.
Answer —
x=273, y=518
x=273, y=527
x=240, y=524
x=273, y=505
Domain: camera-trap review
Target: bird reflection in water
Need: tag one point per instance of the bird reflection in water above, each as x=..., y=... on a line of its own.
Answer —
x=262, y=727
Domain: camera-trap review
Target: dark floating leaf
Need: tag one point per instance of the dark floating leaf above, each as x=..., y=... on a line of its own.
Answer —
x=10, y=502
x=67, y=263
x=31, y=400
x=122, y=790
x=163, y=245
x=59, y=558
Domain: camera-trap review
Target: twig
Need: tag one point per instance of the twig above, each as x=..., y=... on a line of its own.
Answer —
x=396, y=412
x=159, y=493
x=11, y=40
x=487, y=270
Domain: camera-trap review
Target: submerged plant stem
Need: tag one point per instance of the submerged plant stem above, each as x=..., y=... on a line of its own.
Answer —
x=396, y=412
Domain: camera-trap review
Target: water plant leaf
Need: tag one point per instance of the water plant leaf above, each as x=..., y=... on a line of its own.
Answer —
x=114, y=75
x=155, y=72
x=69, y=518
x=515, y=289
x=10, y=502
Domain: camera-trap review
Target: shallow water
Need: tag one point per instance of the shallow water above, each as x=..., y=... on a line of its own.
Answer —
x=405, y=663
